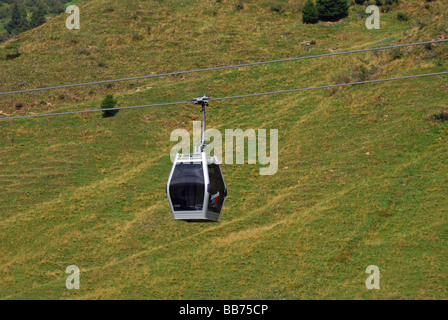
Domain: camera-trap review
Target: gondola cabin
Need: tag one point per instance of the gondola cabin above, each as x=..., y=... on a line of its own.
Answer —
x=196, y=189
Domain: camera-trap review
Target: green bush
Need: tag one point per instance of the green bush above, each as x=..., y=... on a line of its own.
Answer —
x=440, y=116
x=276, y=7
x=12, y=52
x=332, y=10
x=309, y=12
x=108, y=103
x=396, y=54
x=401, y=16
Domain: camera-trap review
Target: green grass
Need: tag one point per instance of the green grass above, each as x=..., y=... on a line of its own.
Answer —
x=362, y=170
x=74, y=2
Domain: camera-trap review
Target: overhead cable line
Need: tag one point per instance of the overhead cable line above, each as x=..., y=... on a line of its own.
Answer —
x=231, y=97
x=222, y=67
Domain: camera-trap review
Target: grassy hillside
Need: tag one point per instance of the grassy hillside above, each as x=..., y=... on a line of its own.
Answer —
x=362, y=176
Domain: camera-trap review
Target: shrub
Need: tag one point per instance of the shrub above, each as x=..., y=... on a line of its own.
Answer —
x=276, y=7
x=12, y=56
x=396, y=54
x=108, y=103
x=12, y=52
x=332, y=10
x=440, y=116
x=309, y=12
x=401, y=16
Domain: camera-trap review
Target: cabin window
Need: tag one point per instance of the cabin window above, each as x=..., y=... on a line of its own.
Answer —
x=187, y=187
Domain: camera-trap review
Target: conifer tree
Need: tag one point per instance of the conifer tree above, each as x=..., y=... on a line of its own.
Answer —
x=332, y=10
x=38, y=16
x=19, y=21
x=108, y=103
x=309, y=12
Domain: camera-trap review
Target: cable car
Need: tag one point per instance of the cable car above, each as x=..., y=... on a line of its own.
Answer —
x=196, y=189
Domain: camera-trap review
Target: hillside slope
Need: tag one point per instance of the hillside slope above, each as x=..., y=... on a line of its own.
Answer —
x=362, y=176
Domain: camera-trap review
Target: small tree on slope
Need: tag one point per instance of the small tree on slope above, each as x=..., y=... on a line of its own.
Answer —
x=332, y=10
x=309, y=12
x=108, y=103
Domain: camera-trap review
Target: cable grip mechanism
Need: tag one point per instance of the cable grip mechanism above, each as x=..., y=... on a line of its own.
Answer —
x=203, y=101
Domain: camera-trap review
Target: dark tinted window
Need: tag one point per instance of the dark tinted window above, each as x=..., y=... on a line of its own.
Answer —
x=187, y=187
x=216, y=199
